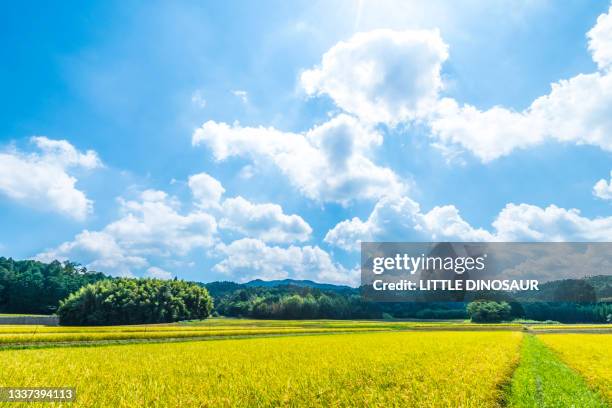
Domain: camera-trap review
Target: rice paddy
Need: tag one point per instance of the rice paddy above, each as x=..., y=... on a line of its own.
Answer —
x=245, y=363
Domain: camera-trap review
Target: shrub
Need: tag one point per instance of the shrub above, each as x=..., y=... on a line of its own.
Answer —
x=135, y=301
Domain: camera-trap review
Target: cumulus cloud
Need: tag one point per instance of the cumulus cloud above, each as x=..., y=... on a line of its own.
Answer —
x=328, y=163
x=249, y=258
x=381, y=75
x=158, y=273
x=400, y=219
x=603, y=189
x=524, y=222
x=386, y=76
x=154, y=225
x=43, y=179
x=149, y=226
x=267, y=221
x=600, y=41
x=206, y=189
x=98, y=250
x=575, y=111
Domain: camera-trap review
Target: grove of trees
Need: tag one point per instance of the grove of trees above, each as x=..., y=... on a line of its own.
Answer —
x=135, y=301
x=488, y=311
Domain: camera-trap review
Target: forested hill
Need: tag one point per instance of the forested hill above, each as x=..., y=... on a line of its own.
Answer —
x=37, y=287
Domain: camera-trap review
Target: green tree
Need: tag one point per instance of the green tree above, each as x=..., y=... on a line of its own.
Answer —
x=487, y=311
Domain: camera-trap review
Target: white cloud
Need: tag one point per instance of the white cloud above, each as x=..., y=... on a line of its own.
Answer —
x=153, y=226
x=381, y=75
x=251, y=258
x=523, y=222
x=400, y=219
x=150, y=226
x=600, y=40
x=575, y=111
x=42, y=180
x=206, y=189
x=386, y=76
x=264, y=221
x=99, y=250
x=327, y=163
x=243, y=95
x=603, y=189
x=445, y=223
x=159, y=273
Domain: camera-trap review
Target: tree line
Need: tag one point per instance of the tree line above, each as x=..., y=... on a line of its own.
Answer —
x=36, y=287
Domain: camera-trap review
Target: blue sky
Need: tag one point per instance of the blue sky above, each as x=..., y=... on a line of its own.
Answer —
x=232, y=141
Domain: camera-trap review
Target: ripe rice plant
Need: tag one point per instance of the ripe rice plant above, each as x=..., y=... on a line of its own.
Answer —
x=589, y=354
x=177, y=333
x=425, y=369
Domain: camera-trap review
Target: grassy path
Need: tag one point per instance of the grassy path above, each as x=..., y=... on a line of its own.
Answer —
x=542, y=380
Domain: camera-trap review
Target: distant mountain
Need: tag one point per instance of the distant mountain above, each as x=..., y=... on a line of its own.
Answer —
x=295, y=282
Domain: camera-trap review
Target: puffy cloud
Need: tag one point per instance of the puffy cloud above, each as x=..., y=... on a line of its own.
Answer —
x=445, y=223
x=400, y=219
x=525, y=222
x=99, y=250
x=575, y=111
x=600, y=40
x=159, y=273
x=381, y=75
x=386, y=76
x=487, y=134
x=251, y=258
x=328, y=163
x=42, y=179
x=206, y=189
x=264, y=221
x=153, y=225
x=149, y=226
x=603, y=189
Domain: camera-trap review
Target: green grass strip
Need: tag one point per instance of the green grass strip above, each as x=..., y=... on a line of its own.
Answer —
x=542, y=380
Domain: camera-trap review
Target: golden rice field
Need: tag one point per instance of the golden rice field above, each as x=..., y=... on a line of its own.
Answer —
x=298, y=363
x=410, y=369
x=589, y=354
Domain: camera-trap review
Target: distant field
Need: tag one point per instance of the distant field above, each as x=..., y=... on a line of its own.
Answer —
x=381, y=369
x=21, y=315
x=23, y=335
